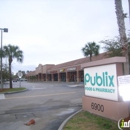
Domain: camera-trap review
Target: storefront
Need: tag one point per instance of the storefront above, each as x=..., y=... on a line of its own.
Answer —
x=62, y=75
x=55, y=77
x=72, y=75
x=40, y=76
x=44, y=77
x=49, y=77
x=66, y=72
x=36, y=77
x=81, y=73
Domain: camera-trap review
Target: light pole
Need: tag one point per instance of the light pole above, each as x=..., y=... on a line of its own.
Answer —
x=5, y=30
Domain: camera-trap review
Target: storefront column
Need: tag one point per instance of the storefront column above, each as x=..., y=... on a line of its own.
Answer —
x=67, y=77
x=37, y=78
x=81, y=76
x=52, y=77
x=31, y=79
x=41, y=77
x=49, y=77
x=78, y=76
x=46, y=77
x=59, y=78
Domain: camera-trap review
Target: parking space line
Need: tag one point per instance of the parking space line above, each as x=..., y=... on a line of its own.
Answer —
x=45, y=95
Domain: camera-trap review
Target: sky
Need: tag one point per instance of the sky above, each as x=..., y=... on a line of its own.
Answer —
x=55, y=31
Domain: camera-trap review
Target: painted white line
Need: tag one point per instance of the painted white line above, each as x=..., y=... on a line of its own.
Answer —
x=34, y=88
x=45, y=95
x=37, y=88
x=2, y=96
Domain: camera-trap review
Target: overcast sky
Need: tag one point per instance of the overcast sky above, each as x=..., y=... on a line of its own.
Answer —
x=55, y=31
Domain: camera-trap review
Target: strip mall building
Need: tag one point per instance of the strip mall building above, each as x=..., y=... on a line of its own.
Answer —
x=66, y=72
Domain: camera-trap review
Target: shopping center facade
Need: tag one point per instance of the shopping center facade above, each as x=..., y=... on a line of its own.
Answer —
x=65, y=72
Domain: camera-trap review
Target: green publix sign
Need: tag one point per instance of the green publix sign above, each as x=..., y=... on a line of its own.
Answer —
x=100, y=83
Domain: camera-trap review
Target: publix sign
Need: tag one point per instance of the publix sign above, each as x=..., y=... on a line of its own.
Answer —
x=101, y=82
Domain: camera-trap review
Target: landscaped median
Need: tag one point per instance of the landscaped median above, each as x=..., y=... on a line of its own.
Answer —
x=13, y=90
x=88, y=121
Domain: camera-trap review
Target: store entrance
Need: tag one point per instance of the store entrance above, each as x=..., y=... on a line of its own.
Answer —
x=63, y=77
x=55, y=77
x=44, y=77
x=72, y=77
x=49, y=77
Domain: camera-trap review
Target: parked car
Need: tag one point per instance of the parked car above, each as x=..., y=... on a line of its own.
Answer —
x=15, y=80
x=23, y=79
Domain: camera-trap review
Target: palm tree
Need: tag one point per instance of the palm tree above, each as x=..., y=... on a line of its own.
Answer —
x=12, y=52
x=121, y=25
x=91, y=49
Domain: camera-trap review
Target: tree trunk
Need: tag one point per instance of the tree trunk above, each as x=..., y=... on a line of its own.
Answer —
x=123, y=39
x=10, y=75
x=90, y=58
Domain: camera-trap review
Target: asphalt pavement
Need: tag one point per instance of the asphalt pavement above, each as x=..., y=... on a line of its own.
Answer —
x=49, y=104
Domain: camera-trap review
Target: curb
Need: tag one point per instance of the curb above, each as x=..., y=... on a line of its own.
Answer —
x=66, y=120
x=16, y=91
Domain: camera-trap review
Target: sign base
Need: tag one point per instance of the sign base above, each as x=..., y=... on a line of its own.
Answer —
x=106, y=108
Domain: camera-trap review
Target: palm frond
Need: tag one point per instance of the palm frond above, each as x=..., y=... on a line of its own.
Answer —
x=91, y=48
x=13, y=52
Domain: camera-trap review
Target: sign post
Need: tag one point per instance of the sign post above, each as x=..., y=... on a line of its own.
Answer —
x=20, y=74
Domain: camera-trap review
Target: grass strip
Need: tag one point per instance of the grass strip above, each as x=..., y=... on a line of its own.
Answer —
x=88, y=121
x=6, y=90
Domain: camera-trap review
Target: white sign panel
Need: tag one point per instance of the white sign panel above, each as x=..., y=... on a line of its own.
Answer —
x=124, y=87
x=124, y=80
x=20, y=74
x=71, y=69
x=101, y=82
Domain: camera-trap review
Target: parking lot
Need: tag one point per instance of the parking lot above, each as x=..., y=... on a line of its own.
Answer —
x=49, y=104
